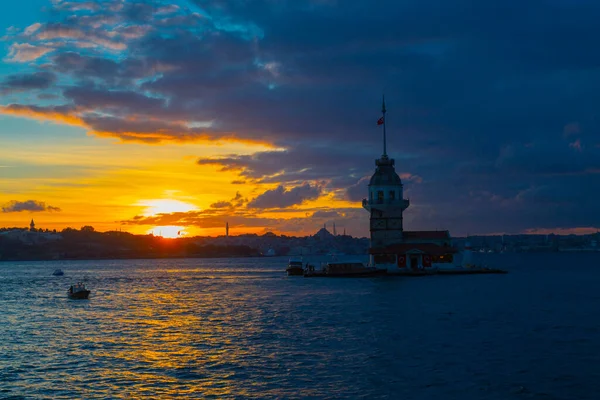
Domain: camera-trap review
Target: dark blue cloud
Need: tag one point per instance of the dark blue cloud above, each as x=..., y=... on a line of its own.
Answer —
x=326, y=214
x=281, y=197
x=25, y=82
x=338, y=165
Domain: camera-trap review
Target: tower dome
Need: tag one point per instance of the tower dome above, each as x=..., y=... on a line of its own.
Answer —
x=385, y=174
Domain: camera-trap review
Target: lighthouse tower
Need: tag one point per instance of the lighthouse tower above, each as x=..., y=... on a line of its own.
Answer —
x=385, y=203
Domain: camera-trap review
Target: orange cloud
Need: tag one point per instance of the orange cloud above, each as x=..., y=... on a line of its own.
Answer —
x=148, y=131
x=24, y=52
x=59, y=114
x=60, y=32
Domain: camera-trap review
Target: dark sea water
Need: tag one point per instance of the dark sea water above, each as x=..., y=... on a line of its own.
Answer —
x=240, y=328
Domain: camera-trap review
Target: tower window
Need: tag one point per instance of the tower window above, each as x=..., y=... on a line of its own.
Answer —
x=392, y=195
x=380, y=196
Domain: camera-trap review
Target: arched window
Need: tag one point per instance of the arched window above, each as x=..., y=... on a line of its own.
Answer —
x=380, y=196
x=392, y=195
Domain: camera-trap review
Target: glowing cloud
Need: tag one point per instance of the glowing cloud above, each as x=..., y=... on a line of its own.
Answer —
x=165, y=206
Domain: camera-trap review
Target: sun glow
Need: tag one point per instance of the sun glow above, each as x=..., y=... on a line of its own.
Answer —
x=169, y=231
x=165, y=206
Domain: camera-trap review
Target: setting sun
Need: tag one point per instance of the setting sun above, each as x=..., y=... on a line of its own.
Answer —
x=170, y=231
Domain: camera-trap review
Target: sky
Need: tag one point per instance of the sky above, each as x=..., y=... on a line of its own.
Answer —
x=175, y=117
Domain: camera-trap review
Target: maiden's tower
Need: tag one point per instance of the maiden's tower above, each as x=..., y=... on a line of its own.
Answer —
x=392, y=247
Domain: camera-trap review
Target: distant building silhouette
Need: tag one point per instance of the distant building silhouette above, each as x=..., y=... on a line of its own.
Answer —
x=32, y=226
x=226, y=229
x=323, y=234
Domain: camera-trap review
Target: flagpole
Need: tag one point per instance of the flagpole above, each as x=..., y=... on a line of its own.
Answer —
x=384, y=136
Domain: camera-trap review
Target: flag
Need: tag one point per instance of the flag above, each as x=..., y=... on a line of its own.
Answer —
x=380, y=121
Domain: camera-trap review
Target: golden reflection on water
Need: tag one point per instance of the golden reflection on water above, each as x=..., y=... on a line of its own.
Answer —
x=156, y=332
x=192, y=336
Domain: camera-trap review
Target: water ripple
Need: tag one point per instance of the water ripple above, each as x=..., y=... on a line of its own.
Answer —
x=241, y=329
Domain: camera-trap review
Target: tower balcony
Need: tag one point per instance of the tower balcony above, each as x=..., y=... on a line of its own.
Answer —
x=385, y=204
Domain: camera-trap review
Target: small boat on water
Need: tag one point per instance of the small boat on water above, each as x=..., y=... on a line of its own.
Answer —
x=345, y=269
x=294, y=267
x=78, y=292
x=58, y=272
